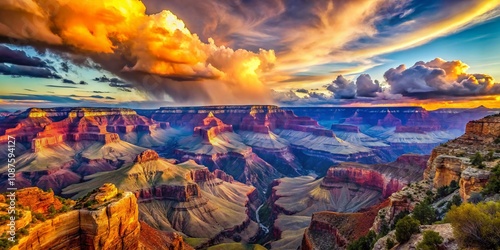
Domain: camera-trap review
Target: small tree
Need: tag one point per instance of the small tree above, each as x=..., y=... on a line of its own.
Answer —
x=453, y=185
x=477, y=160
x=405, y=228
x=493, y=184
x=424, y=213
x=431, y=241
x=389, y=243
x=52, y=210
x=456, y=200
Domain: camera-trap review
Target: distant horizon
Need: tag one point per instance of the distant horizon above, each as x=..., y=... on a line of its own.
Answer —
x=245, y=105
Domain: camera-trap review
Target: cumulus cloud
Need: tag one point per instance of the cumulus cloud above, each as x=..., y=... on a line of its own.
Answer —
x=439, y=78
x=366, y=87
x=284, y=97
x=305, y=91
x=156, y=52
x=342, y=88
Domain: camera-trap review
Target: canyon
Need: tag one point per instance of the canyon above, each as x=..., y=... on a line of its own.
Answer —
x=284, y=177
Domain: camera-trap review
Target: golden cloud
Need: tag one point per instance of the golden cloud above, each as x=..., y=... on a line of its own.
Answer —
x=124, y=40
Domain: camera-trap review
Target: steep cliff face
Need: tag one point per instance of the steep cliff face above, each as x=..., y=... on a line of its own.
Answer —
x=330, y=230
x=108, y=225
x=452, y=161
x=104, y=219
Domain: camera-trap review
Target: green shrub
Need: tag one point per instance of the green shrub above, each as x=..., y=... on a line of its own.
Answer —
x=477, y=160
x=476, y=225
x=398, y=217
x=493, y=184
x=431, y=241
x=424, y=213
x=389, y=243
x=364, y=242
x=64, y=209
x=405, y=228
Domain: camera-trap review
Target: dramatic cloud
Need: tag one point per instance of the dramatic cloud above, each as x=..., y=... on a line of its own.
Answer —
x=439, y=78
x=366, y=87
x=331, y=31
x=342, y=88
x=305, y=91
x=156, y=53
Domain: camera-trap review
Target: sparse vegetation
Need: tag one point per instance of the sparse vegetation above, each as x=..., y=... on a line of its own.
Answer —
x=477, y=160
x=405, y=228
x=476, y=225
x=364, y=242
x=456, y=200
x=493, y=184
x=398, y=217
x=6, y=244
x=431, y=241
x=497, y=140
x=389, y=243
x=447, y=190
x=424, y=213
x=37, y=217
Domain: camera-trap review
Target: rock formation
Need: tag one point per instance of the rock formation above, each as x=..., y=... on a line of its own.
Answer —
x=104, y=219
x=346, y=188
x=186, y=197
x=452, y=160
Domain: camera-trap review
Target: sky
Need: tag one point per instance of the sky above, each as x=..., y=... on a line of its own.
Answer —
x=153, y=53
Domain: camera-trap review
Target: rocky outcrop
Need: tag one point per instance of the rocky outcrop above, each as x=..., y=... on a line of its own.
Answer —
x=155, y=239
x=389, y=121
x=49, y=127
x=37, y=200
x=488, y=126
x=444, y=230
x=147, y=155
x=363, y=177
x=330, y=230
x=104, y=219
x=451, y=161
x=110, y=224
x=472, y=180
x=447, y=169
x=345, y=128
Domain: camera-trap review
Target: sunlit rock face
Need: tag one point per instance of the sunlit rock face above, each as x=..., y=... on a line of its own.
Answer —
x=109, y=224
x=451, y=161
